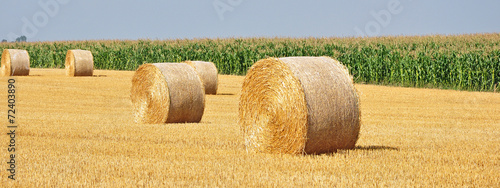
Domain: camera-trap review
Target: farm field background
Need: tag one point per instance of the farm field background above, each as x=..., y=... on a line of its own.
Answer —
x=464, y=62
x=80, y=131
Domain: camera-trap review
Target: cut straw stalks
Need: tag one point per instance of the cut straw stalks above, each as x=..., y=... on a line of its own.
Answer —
x=208, y=74
x=15, y=62
x=167, y=93
x=79, y=63
x=299, y=105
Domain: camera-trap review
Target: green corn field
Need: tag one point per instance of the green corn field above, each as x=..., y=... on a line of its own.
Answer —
x=463, y=62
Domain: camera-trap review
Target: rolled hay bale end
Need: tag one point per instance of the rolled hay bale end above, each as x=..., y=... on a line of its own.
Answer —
x=15, y=62
x=208, y=74
x=299, y=105
x=167, y=93
x=79, y=63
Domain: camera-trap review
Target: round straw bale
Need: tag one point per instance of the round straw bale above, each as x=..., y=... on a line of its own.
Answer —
x=15, y=62
x=79, y=63
x=299, y=105
x=167, y=93
x=208, y=74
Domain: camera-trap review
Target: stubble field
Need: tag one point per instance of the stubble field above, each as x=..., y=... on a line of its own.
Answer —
x=80, y=132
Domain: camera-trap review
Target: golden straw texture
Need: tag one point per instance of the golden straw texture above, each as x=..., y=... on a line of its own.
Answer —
x=79, y=63
x=299, y=105
x=15, y=62
x=208, y=74
x=167, y=93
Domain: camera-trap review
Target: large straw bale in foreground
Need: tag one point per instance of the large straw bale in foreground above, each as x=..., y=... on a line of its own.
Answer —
x=79, y=63
x=15, y=62
x=208, y=74
x=299, y=105
x=167, y=93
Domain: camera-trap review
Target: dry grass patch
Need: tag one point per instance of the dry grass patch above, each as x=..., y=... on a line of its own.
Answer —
x=81, y=132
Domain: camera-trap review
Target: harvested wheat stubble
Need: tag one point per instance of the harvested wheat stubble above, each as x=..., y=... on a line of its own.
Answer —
x=299, y=105
x=208, y=74
x=167, y=93
x=15, y=62
x=79, y=63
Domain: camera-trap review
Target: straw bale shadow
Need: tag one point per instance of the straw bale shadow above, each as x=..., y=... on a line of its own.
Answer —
x=225, y=94
x=372, y=148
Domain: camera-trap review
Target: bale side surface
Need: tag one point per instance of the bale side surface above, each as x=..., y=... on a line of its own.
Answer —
x=322, y=106
x=208, y=74
x=332, y=103
x=79, y=63
x=15, y=62
x=167, y=93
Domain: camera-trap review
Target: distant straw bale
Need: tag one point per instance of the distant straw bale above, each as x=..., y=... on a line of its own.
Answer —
x=167, y=93
x=15, y=62
x=208, y=74
x=79, y=63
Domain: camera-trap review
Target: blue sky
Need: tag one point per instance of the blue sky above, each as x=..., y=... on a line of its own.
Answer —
x=56, y=20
